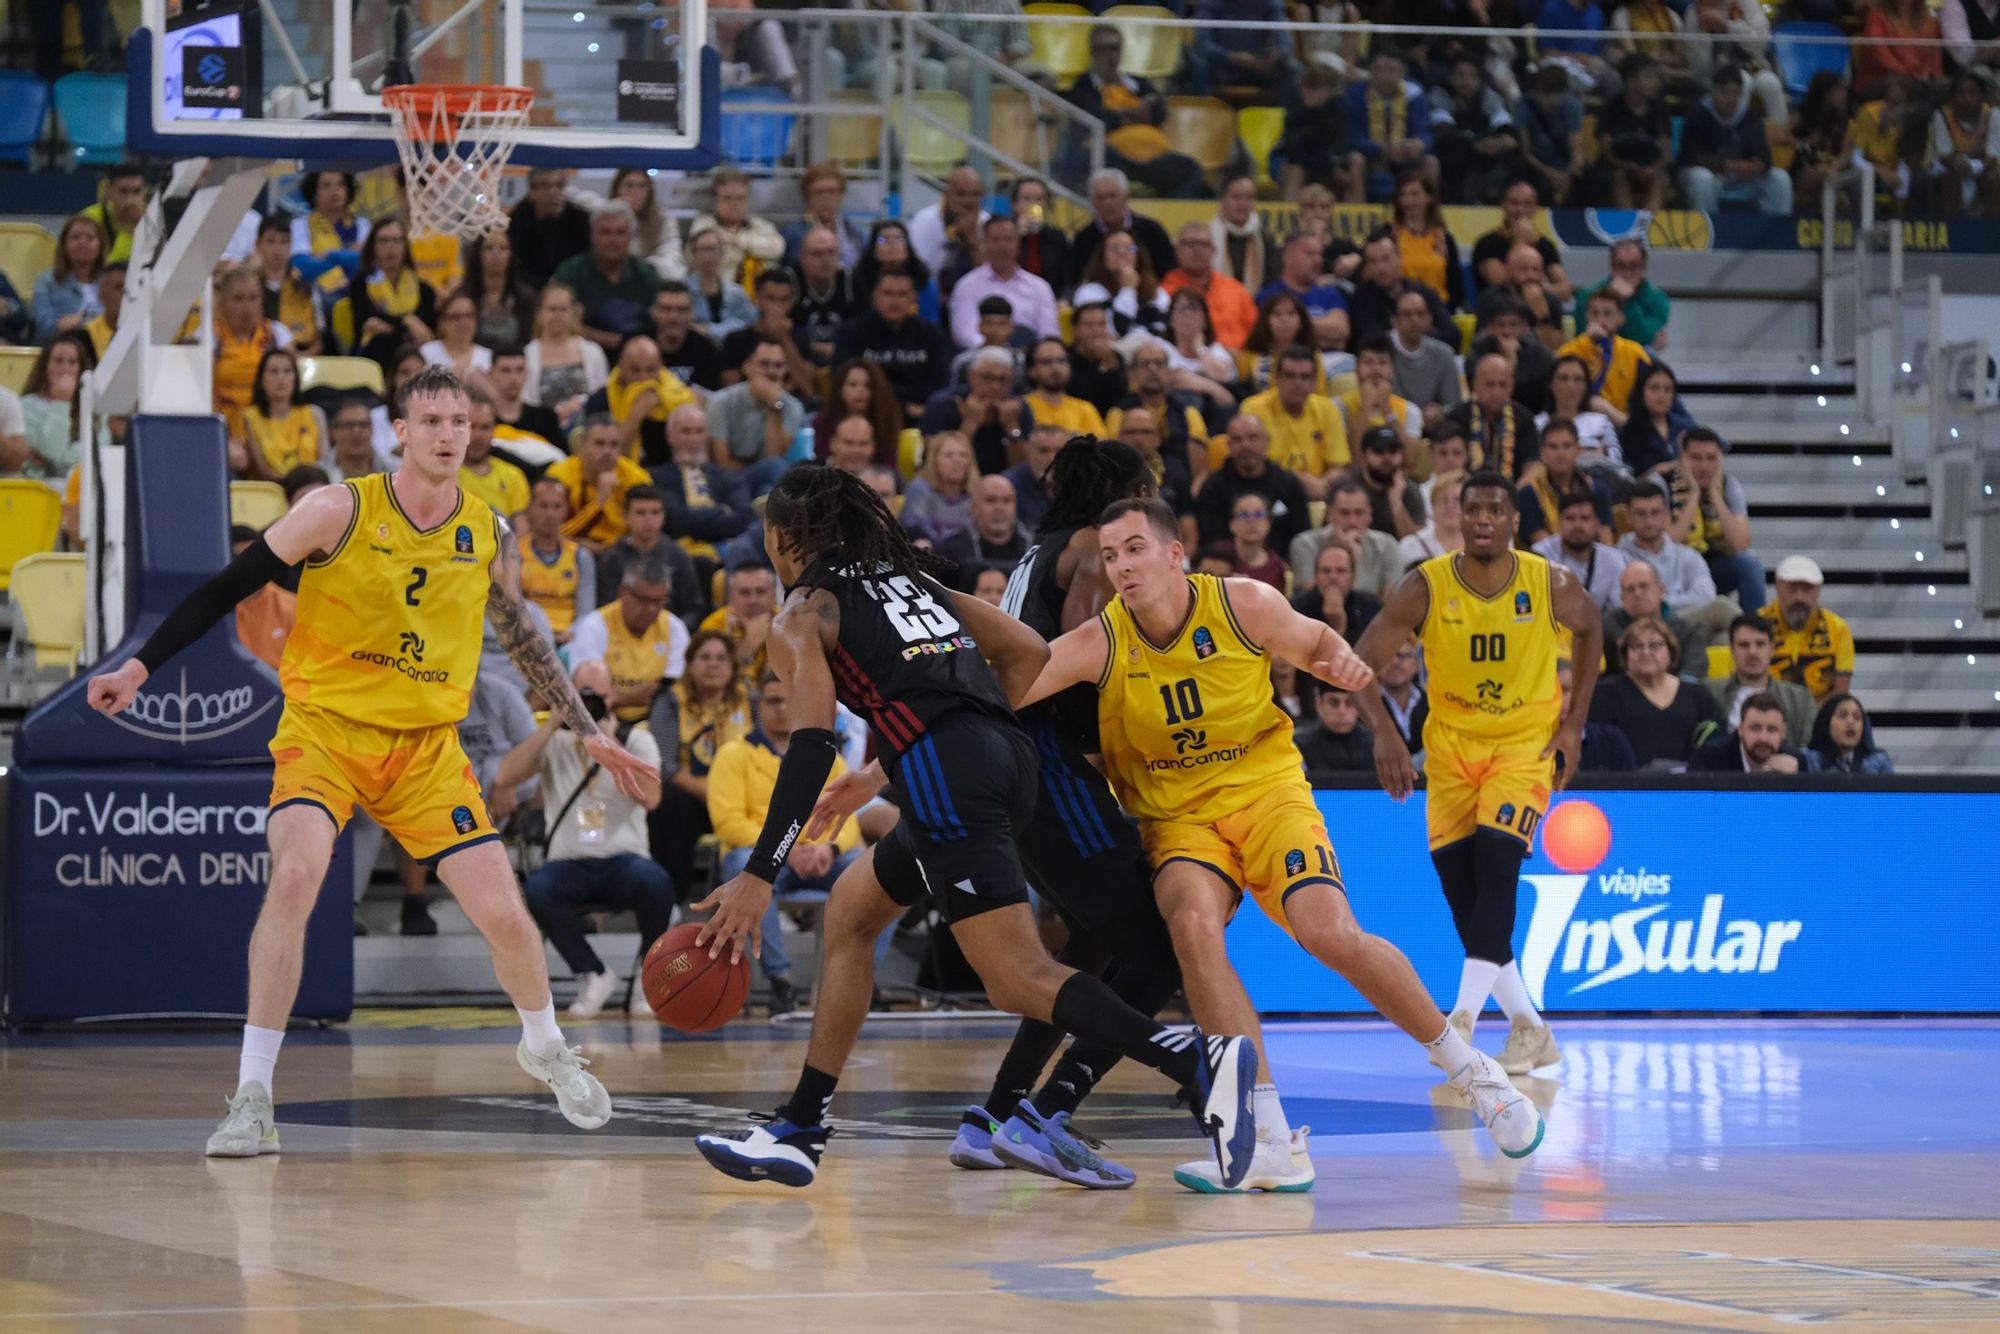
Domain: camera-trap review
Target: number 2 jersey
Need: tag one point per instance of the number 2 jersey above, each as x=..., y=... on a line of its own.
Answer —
x=1188, y=729
x=903, y=661
x=389, y=622
x=1492, y=660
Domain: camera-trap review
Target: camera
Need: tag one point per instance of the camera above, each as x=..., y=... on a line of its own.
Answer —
x=594, y=705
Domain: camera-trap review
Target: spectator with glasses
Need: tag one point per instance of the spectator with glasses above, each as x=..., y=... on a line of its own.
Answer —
x=1231, y=310
x=1249, y=546
x=1133, y=111
x=1179, y=421
x=1664, y=717
x=1646, y=307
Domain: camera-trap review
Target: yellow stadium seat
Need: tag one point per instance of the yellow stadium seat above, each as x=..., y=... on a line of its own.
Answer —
x=853, y=140
x=26, y=250
x=1720, y=664
x=1012, y=127
x=1465, y=322
x=1061, y=48
x=1204, y=128
x=929, y=148
x=1260, y=129
x=1778, y=133
x=1316, y=511
x=1152, y=50
x=1586, y=141
x=256, y=504
x=341, y=373
x=909, y=452
x=16, y=365
x=47, y=593
x=30, y=518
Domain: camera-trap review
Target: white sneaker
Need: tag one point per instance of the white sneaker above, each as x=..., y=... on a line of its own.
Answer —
x=582, y=1099
x=1529, y=1046
x=639, y=1007
x=1515, y=1123
x=591, y=992
x=250, y=1128
x=1462, y=1021
x=1276, y=1166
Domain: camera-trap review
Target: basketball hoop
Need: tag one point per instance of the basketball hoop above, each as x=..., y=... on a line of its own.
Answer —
x=455, y=140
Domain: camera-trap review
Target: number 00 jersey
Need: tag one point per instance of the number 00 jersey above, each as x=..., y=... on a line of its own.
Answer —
x=1188, y=728
x=389, y=623
x=1492, y=660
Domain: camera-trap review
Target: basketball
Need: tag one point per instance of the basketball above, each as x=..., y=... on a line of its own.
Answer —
x=687, y=989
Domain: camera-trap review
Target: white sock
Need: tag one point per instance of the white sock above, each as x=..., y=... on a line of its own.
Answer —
x=259, y=1061
x=539, y=1028
x=1512, y=993
x=1270, y=1113
x=1475, y=984
x=1449, y=1052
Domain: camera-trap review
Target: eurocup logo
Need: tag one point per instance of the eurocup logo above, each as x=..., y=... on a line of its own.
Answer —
x=1586, y=944
x=213, y=69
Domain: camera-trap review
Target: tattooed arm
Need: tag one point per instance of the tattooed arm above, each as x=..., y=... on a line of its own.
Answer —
x=538, y=664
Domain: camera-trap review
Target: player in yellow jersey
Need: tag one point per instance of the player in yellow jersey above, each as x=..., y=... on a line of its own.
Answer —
x=1197, y=751
x=377, y=673
x=1492, y=622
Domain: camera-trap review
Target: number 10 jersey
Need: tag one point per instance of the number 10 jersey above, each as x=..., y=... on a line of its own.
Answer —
x=1188, y=729
x=389, y=627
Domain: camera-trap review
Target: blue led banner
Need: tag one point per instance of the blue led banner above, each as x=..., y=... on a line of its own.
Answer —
x=1704, y=901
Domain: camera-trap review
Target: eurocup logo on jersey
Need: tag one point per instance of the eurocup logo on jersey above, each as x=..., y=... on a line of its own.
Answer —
x=1594, y=927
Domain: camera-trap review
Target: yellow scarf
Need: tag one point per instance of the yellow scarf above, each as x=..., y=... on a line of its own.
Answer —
x=706, y=728
x=1496, y=452
x=1388, y=118
x=324, y=236
x=395, y=299
x=295, y=307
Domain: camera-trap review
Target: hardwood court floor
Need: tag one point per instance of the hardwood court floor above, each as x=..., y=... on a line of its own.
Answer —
x=1738, y=1176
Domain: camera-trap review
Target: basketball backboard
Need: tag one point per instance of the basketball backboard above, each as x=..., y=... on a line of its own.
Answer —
x=625, y=84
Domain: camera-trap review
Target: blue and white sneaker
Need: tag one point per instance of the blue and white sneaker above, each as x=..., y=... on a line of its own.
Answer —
x=1047, y=1145
x=973, y=1147
x=1221, y=1099
x=776, y=1151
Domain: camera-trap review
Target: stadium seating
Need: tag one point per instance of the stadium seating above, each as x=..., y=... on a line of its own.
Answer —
x=1204, y=128
x=92, y=110
x=1260, y=129
x=24, y=108
x=16, y=365
x=1012, y=126
x=340, y=373
x=26, y=250
x=1152, y=50
x=1798, y=61
x=30, y=518
x=928, y=148
x=1061, y=48
x=47, y=595
x=256, y=504
x=755, y=138
x=854, y=140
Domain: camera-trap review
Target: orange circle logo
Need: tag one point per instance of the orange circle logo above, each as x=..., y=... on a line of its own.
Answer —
x=1576, y=836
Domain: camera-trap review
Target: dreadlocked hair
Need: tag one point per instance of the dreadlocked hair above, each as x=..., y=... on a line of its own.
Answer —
x=1087, y=475
x=818, y=511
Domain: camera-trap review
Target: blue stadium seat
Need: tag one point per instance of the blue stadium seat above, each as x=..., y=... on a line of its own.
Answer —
x=1798, y=61
x=755, y=139
x=24, y=105
x=92, y=108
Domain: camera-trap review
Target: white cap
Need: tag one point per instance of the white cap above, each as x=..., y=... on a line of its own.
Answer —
x=1800, y=570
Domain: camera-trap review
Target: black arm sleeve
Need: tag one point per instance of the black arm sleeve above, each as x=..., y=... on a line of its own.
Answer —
x=256, y=566
x=808, y=760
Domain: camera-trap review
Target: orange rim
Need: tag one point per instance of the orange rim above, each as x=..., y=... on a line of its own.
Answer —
x=416, y=102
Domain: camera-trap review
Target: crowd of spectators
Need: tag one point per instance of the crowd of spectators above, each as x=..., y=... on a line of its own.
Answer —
x=1309, y=407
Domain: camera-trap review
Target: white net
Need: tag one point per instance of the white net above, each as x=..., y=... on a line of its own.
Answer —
x=455, y=141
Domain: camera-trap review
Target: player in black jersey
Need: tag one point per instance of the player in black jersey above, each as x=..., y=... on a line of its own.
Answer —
x=1080, y=850
x=865, y=623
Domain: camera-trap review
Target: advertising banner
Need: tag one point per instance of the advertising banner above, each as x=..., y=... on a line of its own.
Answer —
x=1697, y=901
x=134, y=891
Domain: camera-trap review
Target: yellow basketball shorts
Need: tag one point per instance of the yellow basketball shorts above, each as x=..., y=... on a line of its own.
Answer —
x=417, y=784
x=1474, y=783
x=1270, y=849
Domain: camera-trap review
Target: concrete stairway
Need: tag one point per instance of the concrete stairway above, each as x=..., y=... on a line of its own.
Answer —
x=1822, y=483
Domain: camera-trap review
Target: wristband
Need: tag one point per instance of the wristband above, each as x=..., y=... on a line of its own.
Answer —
x=801, y=775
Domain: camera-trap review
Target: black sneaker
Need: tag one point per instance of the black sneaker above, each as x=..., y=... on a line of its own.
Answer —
x=417, y=920
x=784, y=996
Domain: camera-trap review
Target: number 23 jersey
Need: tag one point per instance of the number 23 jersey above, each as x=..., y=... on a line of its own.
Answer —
x=389, y=623
x=1189, y=731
